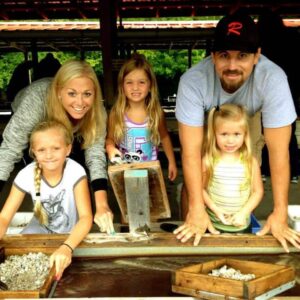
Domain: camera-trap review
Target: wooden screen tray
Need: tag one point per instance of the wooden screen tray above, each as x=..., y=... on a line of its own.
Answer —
x=195, y=281
x=43, y=292
x=159, y=203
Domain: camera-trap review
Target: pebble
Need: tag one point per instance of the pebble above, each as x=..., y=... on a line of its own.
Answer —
x=25, y=272
x=231, y=273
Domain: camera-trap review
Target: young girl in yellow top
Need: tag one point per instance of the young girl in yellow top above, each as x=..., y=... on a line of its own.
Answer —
x=231, y=175
x=59, y=190
x=136, y=124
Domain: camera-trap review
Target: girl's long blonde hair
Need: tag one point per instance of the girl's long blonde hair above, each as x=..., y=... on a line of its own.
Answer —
x=39, y=211
x=93, y=124
x=210, y=150
x=153, y=108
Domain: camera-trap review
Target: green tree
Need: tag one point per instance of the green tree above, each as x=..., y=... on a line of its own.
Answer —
x=168, y=65
x=8, y=63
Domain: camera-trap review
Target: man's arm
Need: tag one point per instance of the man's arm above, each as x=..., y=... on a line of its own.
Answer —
x=277, y=140
x=197, y=220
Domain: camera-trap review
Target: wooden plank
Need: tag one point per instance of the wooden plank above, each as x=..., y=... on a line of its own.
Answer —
x=159, y=203
x=270, y=281
x=159, y=244
x=137, y=199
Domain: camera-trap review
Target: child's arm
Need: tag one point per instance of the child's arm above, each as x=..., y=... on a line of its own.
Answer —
x=220, y=214
x=63, y=255
x=11, y=206
x=110, y=145
x=257, y=192
x=168, y=148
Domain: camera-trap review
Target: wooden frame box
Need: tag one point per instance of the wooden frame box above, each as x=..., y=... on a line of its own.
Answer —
x=195, y=281
x=43, y=292
x=159, y=203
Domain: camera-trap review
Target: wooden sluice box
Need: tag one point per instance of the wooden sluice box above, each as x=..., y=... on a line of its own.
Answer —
x=270, y=280
x=42, y=292
x=158, y=199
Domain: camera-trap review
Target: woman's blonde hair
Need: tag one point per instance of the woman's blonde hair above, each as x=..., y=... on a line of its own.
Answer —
x=153, y=108
x=210, y=150
x=39, y=211
x=93, y=124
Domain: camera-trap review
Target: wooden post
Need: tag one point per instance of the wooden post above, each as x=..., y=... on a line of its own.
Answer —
x=108, y=28
x=137, y=198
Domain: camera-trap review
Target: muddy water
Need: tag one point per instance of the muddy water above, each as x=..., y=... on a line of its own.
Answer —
x=143, y=277
x=108, y=278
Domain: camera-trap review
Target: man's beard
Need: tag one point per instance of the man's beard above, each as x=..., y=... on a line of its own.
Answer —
x=231, y=87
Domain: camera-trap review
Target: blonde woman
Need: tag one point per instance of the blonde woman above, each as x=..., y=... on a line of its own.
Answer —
x=231, y=175
x=59, y=189
x=136, y=124
x=74, y=98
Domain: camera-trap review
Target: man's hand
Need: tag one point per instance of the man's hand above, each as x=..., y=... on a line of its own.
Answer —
x=280, y=230
x=196, y=225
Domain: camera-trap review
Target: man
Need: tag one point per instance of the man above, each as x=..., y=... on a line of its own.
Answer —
x=236, y=72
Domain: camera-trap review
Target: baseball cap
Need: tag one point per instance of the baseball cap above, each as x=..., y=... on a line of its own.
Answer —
x=236, y=32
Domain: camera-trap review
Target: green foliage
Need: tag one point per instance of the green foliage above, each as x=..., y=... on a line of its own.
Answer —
x=95, y=60
x=8, y=62
x=168, y=65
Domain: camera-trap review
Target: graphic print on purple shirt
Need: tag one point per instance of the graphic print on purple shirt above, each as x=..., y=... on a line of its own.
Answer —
x=137, y=140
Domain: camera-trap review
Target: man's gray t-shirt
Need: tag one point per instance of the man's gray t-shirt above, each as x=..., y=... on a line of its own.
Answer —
x=266, y=90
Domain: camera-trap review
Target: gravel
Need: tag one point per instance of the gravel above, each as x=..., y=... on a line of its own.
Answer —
x=25, y=272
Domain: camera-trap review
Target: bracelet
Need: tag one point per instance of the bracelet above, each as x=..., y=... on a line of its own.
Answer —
x=65, y=244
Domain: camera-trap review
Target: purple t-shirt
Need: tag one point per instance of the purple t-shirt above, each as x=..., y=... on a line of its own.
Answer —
x=136, y=145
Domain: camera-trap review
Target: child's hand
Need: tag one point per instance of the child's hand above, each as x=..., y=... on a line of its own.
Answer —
x=104, y=219
x=239, y=219
x=116, y=160
x=114, y=153
x=220, y=214
x=172, y=172
x=223, y=217
x=62, y=258
x=3, y=229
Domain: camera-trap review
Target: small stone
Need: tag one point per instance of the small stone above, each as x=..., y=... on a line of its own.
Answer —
x=25, y=272
x=231, y=273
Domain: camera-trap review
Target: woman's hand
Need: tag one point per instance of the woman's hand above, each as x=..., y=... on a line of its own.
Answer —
x=62, y=258
x=104, y=219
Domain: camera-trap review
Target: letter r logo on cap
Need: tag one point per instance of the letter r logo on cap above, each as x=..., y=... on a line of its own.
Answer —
x=234, y=28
